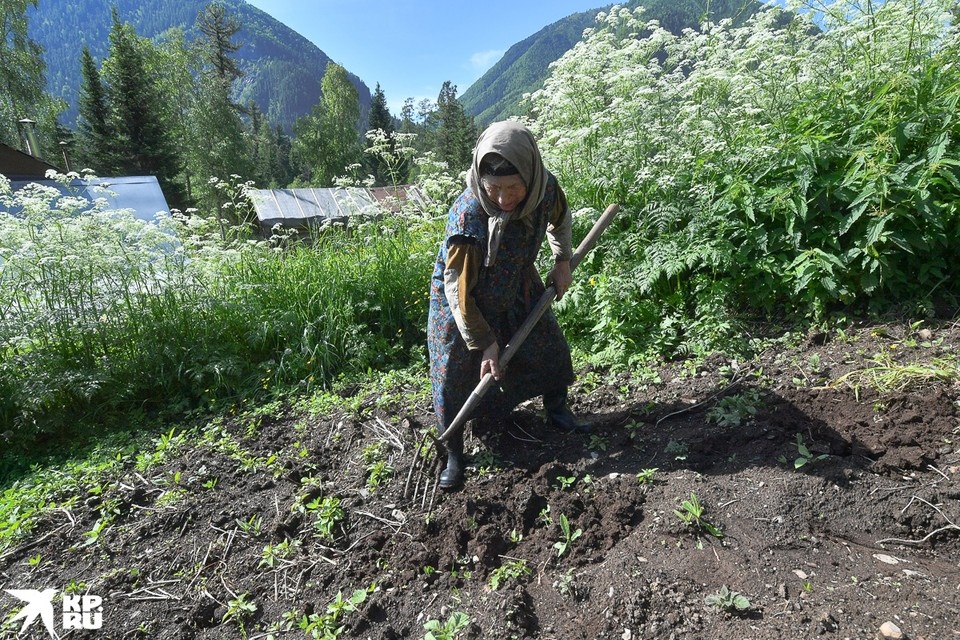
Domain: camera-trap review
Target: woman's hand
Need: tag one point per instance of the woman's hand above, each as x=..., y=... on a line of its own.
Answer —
x=490, y=362
x=560, y=277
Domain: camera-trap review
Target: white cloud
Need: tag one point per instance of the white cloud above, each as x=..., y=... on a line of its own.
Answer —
x=483, y=60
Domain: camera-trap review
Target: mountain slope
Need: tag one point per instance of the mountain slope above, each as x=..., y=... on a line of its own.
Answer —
x=525, y=66
x=282, y=68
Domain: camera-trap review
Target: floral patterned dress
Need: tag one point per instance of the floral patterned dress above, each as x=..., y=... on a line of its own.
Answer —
x=505, y=294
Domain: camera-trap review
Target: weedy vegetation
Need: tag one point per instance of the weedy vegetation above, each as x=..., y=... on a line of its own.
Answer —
x=729, y=601
x=449, y=630
x=691, y=514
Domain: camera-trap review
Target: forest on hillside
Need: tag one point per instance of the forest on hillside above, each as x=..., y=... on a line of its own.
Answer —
x=281, y=68
x=179, y=107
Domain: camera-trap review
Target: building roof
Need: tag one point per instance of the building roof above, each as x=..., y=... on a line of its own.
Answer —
x=142, y=194
x=319, y=206
x=15, y=164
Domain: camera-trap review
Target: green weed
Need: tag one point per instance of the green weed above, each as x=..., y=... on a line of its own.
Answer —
x=691, y=514
x=448, y=630
x=729, y=601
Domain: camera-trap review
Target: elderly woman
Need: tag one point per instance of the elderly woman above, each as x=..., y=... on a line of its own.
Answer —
x=485, y=283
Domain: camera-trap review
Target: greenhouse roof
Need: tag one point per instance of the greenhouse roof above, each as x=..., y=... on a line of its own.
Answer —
x=319, y=206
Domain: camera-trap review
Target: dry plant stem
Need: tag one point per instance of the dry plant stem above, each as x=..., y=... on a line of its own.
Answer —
x=33, y=544
x=950, y=527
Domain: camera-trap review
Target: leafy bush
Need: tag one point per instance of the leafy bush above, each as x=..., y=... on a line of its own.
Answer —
x=797, y=164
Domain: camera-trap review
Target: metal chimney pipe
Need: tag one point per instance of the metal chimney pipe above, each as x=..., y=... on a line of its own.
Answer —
x=30, y=134
x=66, y=154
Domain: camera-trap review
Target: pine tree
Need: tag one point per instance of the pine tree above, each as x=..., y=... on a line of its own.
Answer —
x=219, y=145
x=94, y=131
x=143, y=145
x=455, y=133
x=218, y=30
x=380, y=117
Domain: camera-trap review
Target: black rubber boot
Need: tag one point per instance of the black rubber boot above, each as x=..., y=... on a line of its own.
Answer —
x=452, y=476
x=560, y=416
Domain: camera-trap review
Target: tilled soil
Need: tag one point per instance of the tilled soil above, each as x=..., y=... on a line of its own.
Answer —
x=828, y=506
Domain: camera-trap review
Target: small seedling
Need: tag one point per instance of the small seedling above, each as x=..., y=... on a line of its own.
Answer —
x=545, y=517
x=729, y=601
x=646, y=476
x=563, y=545
x=377, y=474
x=804, y=456
x=691, y=514
x=240, y=609
x=507, y=571
x=274, y=554
x=564, y=584
x=329, y=513
x=456, y=623
x=251, y=526
x=732, y=411
x=328, y=625
x=598, y=443
x=565, y=482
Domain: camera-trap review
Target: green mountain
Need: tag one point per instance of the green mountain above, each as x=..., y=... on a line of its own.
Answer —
x=282, y=68
x=525, y=65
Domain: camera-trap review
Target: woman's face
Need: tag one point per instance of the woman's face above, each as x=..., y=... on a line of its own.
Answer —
x=506, y=191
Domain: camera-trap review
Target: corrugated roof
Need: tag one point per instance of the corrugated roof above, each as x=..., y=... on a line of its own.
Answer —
x=319, y=206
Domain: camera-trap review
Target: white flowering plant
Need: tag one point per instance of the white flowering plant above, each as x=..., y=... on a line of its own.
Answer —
x=792, y=164
x=105, y=317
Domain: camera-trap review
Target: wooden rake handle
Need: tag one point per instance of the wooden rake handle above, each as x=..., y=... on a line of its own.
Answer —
x=542, y=305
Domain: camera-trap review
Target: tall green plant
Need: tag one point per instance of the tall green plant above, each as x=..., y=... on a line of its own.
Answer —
x=178, y=315
x=798, y=163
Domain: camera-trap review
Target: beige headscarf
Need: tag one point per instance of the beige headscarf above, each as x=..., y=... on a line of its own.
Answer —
x=517, y=145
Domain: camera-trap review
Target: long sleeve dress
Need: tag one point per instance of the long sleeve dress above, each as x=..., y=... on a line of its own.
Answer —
x=472, y=305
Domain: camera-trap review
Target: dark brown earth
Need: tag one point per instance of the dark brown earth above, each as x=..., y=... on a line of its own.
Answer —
x=864, y=533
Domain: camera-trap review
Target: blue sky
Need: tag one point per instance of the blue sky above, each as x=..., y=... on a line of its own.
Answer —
x=412, y=47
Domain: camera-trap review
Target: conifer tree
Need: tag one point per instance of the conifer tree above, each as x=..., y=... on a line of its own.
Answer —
x=218, y=30
x=94, y=132
x=143, y=144
x=219, y=146
x=380, y=117
x=455, y=132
